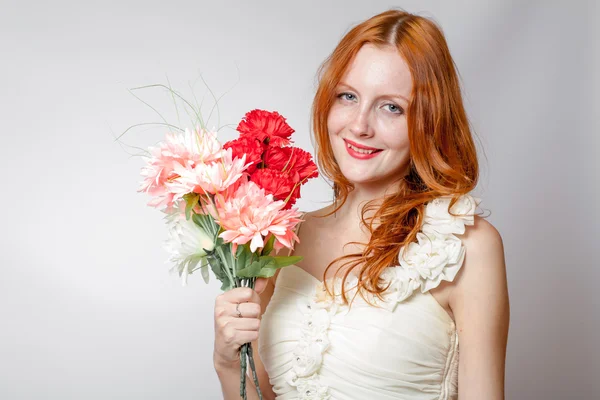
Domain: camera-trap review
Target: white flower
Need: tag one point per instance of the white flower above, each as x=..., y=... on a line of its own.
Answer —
x=308, y=388
x=315, y=326
x=311, y=389
x=403, y=283
x=432, y=258
x=186, y=244
x=202, y=142
x=449, y=244
x=438, y=217
x=307, y=358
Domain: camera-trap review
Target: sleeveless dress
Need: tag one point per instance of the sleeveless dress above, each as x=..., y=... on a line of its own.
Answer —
x=405, y=347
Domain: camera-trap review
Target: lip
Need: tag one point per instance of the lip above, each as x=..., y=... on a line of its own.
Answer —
x=360, y=146
x=358, y=155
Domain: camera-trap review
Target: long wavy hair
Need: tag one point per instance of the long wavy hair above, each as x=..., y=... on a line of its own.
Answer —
x=443, y=156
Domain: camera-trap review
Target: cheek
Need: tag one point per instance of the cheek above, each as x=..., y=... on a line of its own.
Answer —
x=335, y=120
x=402, y=141
x=396, y=137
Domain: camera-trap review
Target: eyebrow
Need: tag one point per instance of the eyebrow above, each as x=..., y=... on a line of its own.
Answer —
x=385, y=95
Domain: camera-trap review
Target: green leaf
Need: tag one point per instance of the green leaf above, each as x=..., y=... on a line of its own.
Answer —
x=204, y=270
x=253, y=270
x=217, y=269
x=191, y=199
x=198, y=220
x=266, y=266
x=267, y=272
x=268, y=248
x=243, y=257
x=281, y=261
x=205, y=222
x=226, y=285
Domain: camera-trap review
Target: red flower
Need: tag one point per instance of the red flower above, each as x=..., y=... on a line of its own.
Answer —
x=268, y=127
x=277, y=183
x=293, y=160
x=252, y=148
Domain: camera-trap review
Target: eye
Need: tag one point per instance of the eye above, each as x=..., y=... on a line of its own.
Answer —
x=346, y=96
x=394, y=108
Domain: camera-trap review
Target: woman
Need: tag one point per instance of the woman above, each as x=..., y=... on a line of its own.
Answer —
x=398, y=270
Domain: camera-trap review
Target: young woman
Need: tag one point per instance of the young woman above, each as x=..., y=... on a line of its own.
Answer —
x=398, y=270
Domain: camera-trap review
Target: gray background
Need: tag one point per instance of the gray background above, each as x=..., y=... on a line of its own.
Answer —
x=87, y=307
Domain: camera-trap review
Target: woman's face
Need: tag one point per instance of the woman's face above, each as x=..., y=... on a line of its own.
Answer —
x=367, y=122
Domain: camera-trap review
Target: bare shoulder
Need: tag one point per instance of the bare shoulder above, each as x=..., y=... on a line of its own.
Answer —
x=318, y=215
x=479, y=296
x=482, y=231
x=314, y=224
x=484, y=264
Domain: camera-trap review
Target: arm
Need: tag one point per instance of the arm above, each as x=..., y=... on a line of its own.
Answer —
x=229, y=372
x=229, y=375
x=479, y=302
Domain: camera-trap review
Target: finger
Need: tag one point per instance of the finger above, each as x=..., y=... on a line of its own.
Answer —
x=260, y=284
x=233, y=337
x=248, y=310
x=241, y=295
x=247, y=336
x=244, y=324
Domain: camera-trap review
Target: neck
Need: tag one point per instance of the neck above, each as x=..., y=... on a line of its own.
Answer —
x=351, y=210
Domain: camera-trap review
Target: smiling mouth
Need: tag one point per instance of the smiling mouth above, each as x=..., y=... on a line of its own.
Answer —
x=361, y=150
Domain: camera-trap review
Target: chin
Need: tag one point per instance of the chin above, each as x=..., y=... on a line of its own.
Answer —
x=362, y=178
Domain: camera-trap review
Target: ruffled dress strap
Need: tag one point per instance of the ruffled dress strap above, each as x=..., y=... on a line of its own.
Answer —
x=438, y=254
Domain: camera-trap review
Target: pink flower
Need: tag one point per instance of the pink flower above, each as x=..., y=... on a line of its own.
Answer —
x=179, y=150
x=210, y=178
x=250, y=215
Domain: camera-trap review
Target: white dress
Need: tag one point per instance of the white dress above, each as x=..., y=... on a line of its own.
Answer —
x=406, y=347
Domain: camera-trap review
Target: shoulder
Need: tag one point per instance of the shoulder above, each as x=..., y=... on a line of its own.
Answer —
x=479, y=295
x=484, y=264
x=316, y=221
x=473, y=247
x=320, y=213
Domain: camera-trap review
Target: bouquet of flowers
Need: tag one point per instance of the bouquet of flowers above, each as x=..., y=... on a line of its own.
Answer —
x=230, y=205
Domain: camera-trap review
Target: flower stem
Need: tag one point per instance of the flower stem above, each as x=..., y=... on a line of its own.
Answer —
x=243, y=368
x=228, y=271
x=253, y=369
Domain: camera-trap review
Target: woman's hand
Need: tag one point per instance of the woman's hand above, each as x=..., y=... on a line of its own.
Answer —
x=231, y=330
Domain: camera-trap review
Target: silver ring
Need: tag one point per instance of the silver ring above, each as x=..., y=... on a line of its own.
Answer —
x=239, y=314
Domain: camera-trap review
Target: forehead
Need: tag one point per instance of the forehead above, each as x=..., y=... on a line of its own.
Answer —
x=379, y=69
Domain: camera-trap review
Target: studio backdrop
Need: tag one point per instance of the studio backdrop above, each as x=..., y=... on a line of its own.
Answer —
x=88, y=309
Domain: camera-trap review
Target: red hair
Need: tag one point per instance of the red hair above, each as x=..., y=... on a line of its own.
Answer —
x=443, y=156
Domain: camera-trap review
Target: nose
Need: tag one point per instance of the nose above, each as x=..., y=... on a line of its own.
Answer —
x=359, y=125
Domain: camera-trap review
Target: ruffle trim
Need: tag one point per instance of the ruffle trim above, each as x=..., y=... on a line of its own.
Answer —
x=307, y=357
x=436, y=256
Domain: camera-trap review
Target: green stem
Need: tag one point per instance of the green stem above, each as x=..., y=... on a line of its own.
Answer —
x=253, y=369
x=224, y=260
x=243, y=367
